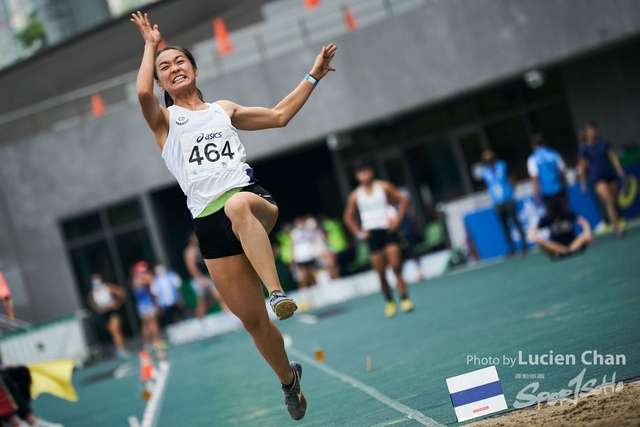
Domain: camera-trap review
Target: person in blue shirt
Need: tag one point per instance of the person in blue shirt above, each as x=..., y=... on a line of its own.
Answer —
x=546, y=169
x=596, y=165
x=165, y=288
x=494, y=173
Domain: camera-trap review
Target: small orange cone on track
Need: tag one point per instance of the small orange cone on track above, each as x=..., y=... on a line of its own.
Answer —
x=97, y=105
x=223, y=41
x=311, y=4
x=349, y=19
x=146, y=367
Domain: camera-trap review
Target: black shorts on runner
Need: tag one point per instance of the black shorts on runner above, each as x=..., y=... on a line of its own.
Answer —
x=378, y=239
x=107, y=315
x=307, y=264
x=214, y=231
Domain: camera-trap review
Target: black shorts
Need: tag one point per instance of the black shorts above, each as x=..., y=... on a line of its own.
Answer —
x=107, y=315
x=607, y=176
x=307, y=264
x=378, y=239
x=214, y=231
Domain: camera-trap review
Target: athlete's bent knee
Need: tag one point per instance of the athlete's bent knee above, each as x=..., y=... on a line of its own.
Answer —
x=237, y=209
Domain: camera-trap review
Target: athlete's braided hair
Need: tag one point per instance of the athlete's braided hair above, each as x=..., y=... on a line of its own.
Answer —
x=168, y=100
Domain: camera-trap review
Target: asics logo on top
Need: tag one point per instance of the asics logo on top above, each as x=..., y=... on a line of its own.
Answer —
x=182, y=120
x=208, y=136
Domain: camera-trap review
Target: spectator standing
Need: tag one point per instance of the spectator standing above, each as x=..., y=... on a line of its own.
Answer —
x=141, y=279
x=106, y=300
x=546, y=169
x=164, y=288
x=501, y=191
x=597, y=163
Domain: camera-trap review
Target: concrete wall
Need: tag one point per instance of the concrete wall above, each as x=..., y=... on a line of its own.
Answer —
x=448, y=47
x=603, y=88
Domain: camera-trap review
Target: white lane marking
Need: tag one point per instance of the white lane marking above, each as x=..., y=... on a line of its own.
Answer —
x=149, y=418
x=288, y=341
x=411, y=413
x=308, y=319
x=133, y=421
x=124, y=370
x=258, y=413
x=390, y=423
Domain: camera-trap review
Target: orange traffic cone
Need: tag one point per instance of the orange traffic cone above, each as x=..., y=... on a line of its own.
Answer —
x=223, y=41
x=349, y=19
x=97, y=106
x=311, y=4
x=147, y=370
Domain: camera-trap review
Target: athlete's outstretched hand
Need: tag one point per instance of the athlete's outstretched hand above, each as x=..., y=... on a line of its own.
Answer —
x=323, y=62
x=150, y=34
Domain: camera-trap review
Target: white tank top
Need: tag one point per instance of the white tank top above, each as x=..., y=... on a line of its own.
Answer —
x=304, y=245
x=102, y=296
x=205, y=155
x=373, y=208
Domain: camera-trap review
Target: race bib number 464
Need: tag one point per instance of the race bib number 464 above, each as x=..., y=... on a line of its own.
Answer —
x=208, y=152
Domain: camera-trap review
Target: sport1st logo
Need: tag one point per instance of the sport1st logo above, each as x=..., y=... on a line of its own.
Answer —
x=182, y=121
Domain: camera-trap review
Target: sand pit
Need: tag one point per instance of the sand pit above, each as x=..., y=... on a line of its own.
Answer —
x=618, y=409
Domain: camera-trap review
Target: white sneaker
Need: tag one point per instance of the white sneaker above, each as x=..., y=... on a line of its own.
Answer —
x=44, y=423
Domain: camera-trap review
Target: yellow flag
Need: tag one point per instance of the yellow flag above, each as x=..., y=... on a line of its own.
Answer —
x=53, y=377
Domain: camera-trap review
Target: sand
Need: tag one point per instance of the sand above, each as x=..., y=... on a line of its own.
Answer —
x=617, y=409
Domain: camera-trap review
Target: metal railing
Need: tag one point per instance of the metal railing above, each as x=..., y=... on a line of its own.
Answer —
x=287, y=28
x=7, y=324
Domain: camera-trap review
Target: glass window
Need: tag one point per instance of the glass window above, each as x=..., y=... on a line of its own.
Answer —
x=555, y=123
x=90, y=259
x=379, y=137
x=124, y=213
x=133, y=247
x=433, y=164
x=499, y=100
x=82, y=226
x=509, y=140
x=460, y=113
x=395, y=172
x=552, y=87
x=424, y=123
x=472, y=151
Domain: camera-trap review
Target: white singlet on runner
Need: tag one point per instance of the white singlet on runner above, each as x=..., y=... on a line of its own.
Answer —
x=102, y=296
x=373, y=208
x=205, y=155
x=305, y=245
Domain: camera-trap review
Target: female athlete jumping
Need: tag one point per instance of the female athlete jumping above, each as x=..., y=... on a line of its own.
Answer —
x=232, y=214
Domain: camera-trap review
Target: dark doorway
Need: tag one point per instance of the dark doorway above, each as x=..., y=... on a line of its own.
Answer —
x=302, y=182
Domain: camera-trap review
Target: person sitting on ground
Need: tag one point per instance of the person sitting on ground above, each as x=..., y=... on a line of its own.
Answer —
x=563, y=240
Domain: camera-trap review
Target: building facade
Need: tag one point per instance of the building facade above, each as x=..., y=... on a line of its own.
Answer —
x=421, y=94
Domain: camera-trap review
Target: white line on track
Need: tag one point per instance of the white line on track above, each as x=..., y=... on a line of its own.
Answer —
x=394, y=404
x=149, y=418
x=258, y=413
x=390, y=423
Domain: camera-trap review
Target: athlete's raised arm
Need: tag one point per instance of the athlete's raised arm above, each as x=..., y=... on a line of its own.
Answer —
x=257, y=118
x=157, y=116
